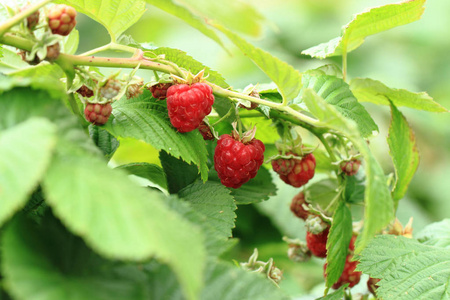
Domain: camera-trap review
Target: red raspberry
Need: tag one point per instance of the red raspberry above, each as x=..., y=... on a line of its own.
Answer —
x=298, y=174
x=205, y=131
x=97, y=113
x=349, y=275
x=317, y=243
x=351, y=247
x=372, y=285
x=159, y=91
x=351, y=167
x=188, y=105
x=61, y=19
x=297, y=206
x=237, y=162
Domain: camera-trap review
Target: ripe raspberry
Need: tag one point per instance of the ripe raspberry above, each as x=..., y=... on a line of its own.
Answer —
x=351, y=167
x=349, y=275
x=53, y=52
x=372, y=285
x=97, y=113
x=159, y=91
x=85, y=91
x=134, y=90
x=205, y=131
x=300, y=173
x=237, y=162
x=317, y=243
x=297, y=206
x=61, y=19
x=351, y=247
x=110, y=89
x=188, y=105
x=33, y=19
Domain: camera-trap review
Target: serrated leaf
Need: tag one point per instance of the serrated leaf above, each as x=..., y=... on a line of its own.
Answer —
x=379, y=207
x=107, y=143
x=171, y=7
x=25, y=153
x=337, y=295
x=148, y=171
x=338, y=243
x=47, y=262
x=287, y=79
x=214, y=201
x=404, y=153
x=409, y=270
x=256, y=190
x=115, y=15
x=336, y=92
x=436, y=234
x=178, y=173
x=147, y=120
x=367, y=23
x=374, y=91
x=119, y=219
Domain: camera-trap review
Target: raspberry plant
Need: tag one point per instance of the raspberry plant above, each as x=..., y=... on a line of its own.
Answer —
x=74, y=226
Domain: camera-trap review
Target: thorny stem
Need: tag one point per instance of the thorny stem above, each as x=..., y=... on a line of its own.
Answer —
x=5, y=26
x=110, y=46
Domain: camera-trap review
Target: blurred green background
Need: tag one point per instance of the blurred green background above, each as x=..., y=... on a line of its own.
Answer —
x=413, y=57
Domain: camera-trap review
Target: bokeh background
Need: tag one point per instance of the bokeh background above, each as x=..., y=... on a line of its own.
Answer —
x=413, y=57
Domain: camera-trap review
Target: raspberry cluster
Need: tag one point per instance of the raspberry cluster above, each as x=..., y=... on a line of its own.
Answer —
x=61, y=19
x=295, y=172
x=97, y=114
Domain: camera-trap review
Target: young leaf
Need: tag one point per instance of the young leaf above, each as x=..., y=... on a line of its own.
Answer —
x=337, y=295
x=140, y=118
x=409, y=270
x=287, y=79
x=369, y=90
x=403, y=148
x=173, y=8
x=45, y=261
x=148, y=171
x=115, y=15
x=178, y=173
x=25, y=153
x=373, y=21
x=338, y=243
x=336, y=92
x=379, y=207
x=436, y=234
x=119, y=219
x=104, y=140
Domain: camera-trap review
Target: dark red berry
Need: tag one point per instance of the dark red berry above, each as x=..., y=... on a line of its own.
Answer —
x=61, y=19
x=205, y=131
x=294, y=171
x=97, y=113
x=349, y=275
x=188, y=105
x=351, y=167
x=33, y=19
x=237, y=162
x=85, y=91
x=159, y=91
x=372, y=285
x=317, y=243
x=297, y=206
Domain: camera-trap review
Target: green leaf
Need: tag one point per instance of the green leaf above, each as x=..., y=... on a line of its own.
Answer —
x=436, y=234
x=145, y=119
x=115, y=15
x=336, y=92
x=148, y=171
x=46, y=262
x=214, y=201
x=409, y=270
x=337, y=295
x=287, y=79
x=171, y=7
x=379, y=207
x=367, y=23
x=404, y=153
x=354, y=189
x=338, y=243
x=256, y=190
x=178, y=173
x=119, y=219
x=104, y=140
x=323, y=193
x=25, y=153
x=369, y=90
x=70, y=43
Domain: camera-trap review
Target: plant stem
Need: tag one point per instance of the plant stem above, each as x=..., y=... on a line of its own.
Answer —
x=327, y=147
x=5, y=26
x=110, y=46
